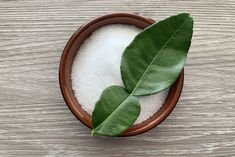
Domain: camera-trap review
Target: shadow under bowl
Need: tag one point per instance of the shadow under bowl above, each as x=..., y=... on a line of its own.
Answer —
x=70, y=51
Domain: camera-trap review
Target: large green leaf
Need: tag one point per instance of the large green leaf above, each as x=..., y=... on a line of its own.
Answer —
x=115, y=111
x=155, y=58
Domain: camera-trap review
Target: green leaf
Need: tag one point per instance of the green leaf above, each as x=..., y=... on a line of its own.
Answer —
x=151, y=63
x=115, y=112
x=155, y=58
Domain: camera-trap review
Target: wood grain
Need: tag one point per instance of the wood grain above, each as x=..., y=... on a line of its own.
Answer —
x=35, y=121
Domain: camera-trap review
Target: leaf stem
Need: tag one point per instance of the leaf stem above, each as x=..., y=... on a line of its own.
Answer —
x=93, y=132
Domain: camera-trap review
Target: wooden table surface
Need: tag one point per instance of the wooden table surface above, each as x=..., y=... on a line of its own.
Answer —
x=35, y=121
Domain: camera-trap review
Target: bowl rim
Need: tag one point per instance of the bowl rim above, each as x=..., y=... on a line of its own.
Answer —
x=72, y=102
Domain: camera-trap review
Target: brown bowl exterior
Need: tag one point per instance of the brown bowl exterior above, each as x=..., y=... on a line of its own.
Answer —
x=70, y=51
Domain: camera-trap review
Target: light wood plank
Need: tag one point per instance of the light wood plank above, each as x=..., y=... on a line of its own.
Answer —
x=35, y=121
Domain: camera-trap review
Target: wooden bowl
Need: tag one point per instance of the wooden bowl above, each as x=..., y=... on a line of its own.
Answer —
x=70, y=51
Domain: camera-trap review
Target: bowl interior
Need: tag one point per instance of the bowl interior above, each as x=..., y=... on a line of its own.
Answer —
x=70, y=52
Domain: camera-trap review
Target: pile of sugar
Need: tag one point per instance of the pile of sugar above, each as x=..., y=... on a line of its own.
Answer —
x=97, y=66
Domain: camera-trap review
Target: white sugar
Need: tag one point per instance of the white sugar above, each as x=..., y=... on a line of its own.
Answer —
x=97, y=66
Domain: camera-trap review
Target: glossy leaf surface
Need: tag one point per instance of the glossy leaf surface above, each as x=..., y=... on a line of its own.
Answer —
x=155, y=58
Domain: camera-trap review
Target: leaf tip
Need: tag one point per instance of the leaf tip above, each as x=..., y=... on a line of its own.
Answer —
x=185, y=14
